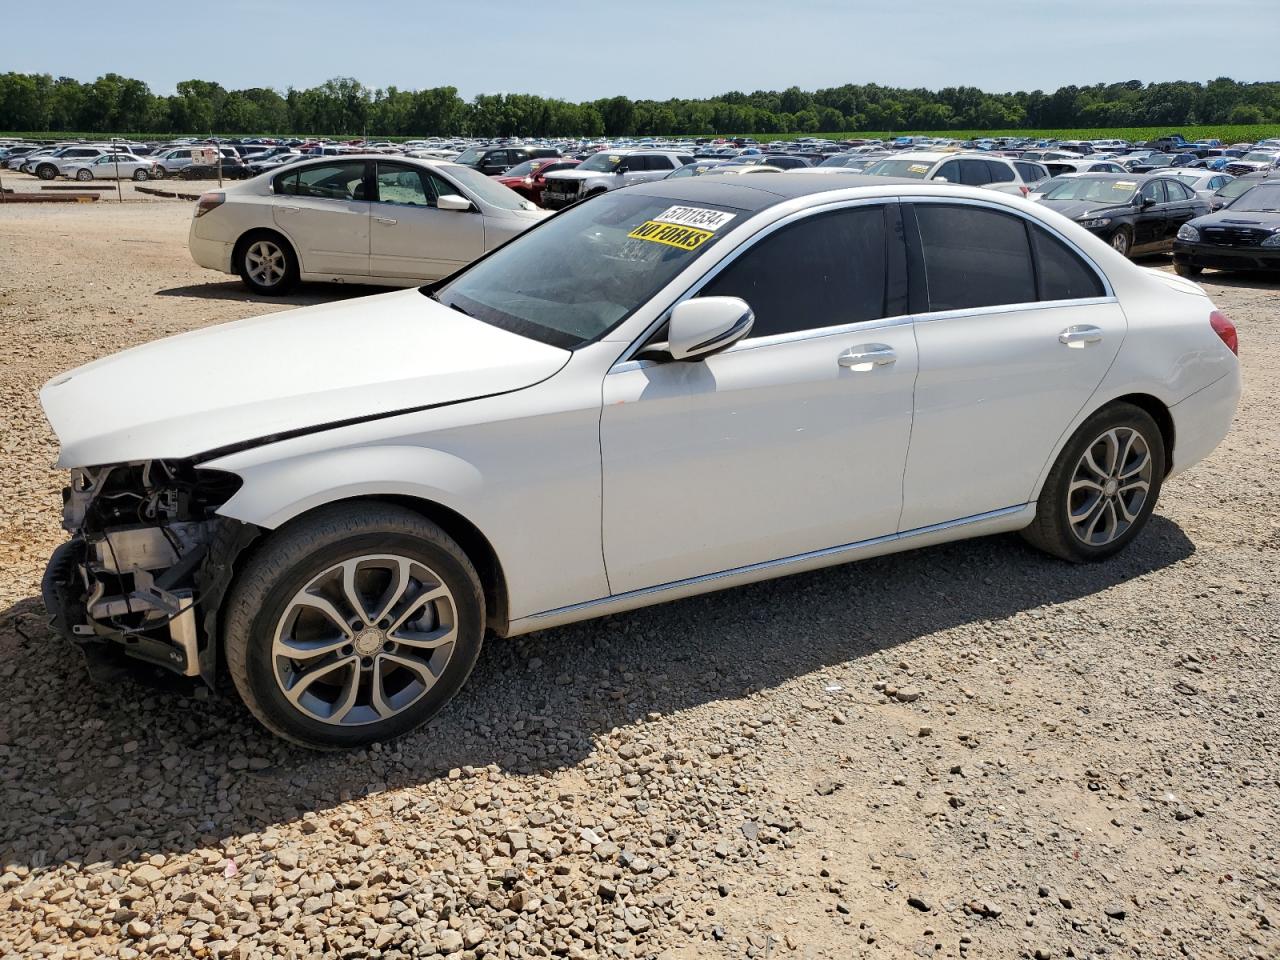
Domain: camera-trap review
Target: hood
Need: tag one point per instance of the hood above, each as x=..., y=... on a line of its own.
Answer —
x=1076, y=209
x=1226, y=217
x=577, y=174
x=294, y=370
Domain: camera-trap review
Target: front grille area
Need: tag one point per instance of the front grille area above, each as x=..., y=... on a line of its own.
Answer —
x=1233, y=236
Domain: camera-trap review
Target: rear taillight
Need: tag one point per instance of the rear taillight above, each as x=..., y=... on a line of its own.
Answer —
x=209, y=201
x=1026, y=191
x=1225, y=329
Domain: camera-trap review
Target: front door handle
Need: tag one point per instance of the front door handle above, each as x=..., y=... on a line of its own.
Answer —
x=867, y=356
x=1080, y=336
x=288, y=209
x=386, y=220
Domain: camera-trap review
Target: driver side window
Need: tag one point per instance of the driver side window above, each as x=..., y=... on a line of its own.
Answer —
x=401, y=185
x=1153, y=191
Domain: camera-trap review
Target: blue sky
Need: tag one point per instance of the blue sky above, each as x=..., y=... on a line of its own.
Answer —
x=582, y=50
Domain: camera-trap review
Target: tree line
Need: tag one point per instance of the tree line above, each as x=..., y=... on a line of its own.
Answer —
x=344, y=106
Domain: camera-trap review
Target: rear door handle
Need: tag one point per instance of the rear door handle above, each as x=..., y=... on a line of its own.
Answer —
x=386, y=220
x=867, y=356
x=288, y=209
x=1080, y=336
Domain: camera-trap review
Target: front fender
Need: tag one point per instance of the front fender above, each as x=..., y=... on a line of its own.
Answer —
x=276, y=491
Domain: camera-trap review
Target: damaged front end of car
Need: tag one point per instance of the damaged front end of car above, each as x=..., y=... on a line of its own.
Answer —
x=148, y=564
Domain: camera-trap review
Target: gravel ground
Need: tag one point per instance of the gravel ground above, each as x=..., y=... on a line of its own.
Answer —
x=967, y=751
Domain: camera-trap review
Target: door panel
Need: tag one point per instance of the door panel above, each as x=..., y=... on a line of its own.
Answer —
x=324, y=212
x=994, y=394
x=754, y=454
x=409, y=236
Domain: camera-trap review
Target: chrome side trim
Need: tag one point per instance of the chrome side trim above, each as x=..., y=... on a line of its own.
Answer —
x=1010, y=308
x=994, y=521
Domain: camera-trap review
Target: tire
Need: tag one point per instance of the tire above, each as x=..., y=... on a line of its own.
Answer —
x=1187, y=270
x=266, y=263
x=47, y=171
x=84, y=176
x=1122, y=241
x=158, y=173
x=140, y=175
x=1054, y=531
x=308, y=558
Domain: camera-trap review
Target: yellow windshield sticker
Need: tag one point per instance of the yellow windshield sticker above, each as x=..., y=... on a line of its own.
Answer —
x=1126, y=184
x=919, y=168
x=673, y=235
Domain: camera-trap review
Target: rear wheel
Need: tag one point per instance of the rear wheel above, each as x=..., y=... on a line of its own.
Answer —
x=1103, y=487
x=1122, y=241
x=356, y=624
x=140, y=174
x=1187, y=270
x=83, y=175
x=158, y=173
x=266, y=264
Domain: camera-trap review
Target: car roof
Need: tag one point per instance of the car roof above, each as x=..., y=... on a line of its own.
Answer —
x=758, y=193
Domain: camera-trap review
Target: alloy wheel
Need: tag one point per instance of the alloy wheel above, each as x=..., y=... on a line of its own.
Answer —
x=265, y=263
x=364, y=640
x=1109, y=486
x=1120, y=242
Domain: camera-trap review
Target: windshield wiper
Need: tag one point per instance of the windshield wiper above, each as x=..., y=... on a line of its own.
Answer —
x=452, y=306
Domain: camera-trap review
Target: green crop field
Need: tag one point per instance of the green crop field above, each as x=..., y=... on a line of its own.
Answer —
x=1227, y=133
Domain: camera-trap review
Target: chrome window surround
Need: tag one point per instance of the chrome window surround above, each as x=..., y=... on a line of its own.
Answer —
x=625, y=362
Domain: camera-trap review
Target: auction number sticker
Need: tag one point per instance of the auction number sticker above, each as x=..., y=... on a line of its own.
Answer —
x=919, y=168
x=1126, y=184
x=671, y=234
x=699, y=217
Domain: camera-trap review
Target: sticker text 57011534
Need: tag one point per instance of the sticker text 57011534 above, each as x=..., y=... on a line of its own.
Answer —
x=673, y=235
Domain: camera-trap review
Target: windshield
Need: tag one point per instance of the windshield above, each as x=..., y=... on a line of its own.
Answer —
x=601, y=162
x=1264, y=198
x=1258, y=156
x=916, y=169
x=470, y=155
x=578, y=275
x=839, y=160
x=1098, y=191
x=1233, y=189
x=490, y=191
x=525, y=169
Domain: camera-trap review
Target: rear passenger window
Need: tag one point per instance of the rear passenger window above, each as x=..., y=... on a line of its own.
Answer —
x=975, y=173
x=826, y=270
x=974, y=257
x=999, y=172
x=1063, y=274
x=1030, y=172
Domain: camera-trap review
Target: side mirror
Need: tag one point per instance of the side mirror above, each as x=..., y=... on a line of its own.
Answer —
x=705, y=325
x=451, y=201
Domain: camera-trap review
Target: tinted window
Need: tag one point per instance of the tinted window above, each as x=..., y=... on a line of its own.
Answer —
x=999, y=172
x=1154, y=191
x=1063, y=274
x=1031, y=173
x=975, y=173
x=824, y=271
x=329, y=181
x=974, y=257
x=949, y=171
x=1179, y=191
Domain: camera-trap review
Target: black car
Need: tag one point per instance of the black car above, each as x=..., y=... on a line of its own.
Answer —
x=1243, y=236
x=493, y=160
x=1225, y=195
x=1135, y=214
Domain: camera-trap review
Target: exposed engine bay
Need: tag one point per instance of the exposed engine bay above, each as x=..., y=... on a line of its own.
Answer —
x=148, y=563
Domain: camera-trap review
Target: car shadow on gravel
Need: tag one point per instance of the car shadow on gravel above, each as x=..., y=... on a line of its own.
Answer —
x=156, y=765
x=304, y=294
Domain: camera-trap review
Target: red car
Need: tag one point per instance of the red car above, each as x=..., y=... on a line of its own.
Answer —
x=528, y=178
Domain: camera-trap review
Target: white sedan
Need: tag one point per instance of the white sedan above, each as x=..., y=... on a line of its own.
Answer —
x=665, y=390
x=110, y=166
x=355, y=219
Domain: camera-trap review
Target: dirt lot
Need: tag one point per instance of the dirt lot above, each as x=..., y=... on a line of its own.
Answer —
x=970, y=751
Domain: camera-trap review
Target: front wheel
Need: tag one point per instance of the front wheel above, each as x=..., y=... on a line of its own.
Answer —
x=266, y=264
x=47, y=172
x=1187, y=270
x=1103, y=487
x=1122, y=241
x=353, y=625
x=140, y=175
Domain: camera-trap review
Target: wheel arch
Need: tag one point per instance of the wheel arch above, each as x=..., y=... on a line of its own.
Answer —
x=1159, y=413
x=247, y=237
